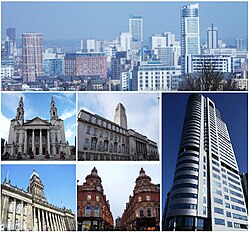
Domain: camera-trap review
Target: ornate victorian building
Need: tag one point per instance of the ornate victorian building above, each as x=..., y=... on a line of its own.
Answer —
x=142, y=212
x=36, y=138
x=30, y=211
x=93, y=209
x=102, y=139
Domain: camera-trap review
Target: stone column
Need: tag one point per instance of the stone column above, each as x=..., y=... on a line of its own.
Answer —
x=43, y=220
x=47, y=221
x=14, y=216
x=33, y=141
x=20, y=142
x=51, y=222
x=58, y=222
x=25, y=142
x=63, y=223
x=34, y=219
x=48, y=142
x=5, y=207
x=21, y=223
x=54, y=222
x=39, y=219
x=41, y=143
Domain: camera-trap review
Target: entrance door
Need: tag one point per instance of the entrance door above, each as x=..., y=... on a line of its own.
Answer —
x=37, y=150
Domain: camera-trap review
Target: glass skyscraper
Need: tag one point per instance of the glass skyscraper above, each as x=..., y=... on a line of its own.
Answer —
x=136, y=29
x=207, y=192
x=190, y=35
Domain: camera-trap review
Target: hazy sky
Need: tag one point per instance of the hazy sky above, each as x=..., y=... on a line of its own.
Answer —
x=105, y=20
x=38, y=104
x=59, y=181
x=142, y=109
x=118, y=180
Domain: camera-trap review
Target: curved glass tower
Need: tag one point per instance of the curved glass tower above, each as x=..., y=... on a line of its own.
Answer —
x=206, y=192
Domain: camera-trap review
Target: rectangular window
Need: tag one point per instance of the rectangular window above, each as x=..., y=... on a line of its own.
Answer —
x=148, y=198
x=149, y=211
x=227, y=205
x=219, y=221
x=229, y=224
x=88, y=129
x=228, y=214
x=139, y=199
x=89, y=197
x=218, y=210
x=218, y=201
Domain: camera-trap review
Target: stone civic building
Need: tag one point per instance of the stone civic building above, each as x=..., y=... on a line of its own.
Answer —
x=93, y=209
x=142, y=212
x=36, y=138
x=102, y=139
x=30, y=211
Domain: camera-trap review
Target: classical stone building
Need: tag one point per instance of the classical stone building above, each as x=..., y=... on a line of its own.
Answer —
x=93, y=209
x=102, y=139
x=30, y=211
x=142, y=212
x=37, y=138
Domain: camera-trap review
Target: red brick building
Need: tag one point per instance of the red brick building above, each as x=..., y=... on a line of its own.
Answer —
x=93, y=209
x=142, y=212
x=86, y=64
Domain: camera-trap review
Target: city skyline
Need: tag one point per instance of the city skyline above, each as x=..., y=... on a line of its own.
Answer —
x=119, y=13
x=65, y=103
x=116, y=173
x=172, y=124
x=54, y=178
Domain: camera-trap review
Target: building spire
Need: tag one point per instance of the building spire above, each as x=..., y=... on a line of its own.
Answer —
x=20, y=111
x=53, y=110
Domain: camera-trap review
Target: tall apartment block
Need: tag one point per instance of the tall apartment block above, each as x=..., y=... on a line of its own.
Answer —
x=207, y=192
x=31, y=56
x=212, y=37
x=190, y=34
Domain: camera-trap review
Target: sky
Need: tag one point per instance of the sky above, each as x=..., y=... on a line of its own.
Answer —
x=233, y=110
x=59, y=181
x=105, y=20
x=114, y=175
x=38, y=104
x=142, y=109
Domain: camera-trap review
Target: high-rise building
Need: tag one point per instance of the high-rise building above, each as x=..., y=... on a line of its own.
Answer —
x=120, y=117
x=125, y=41
x=31, y=56
x=11, y=33
x=190, y=34
x=136, y=29
x=207, y=192
x=239, y=43
x=212, y=37
x=244, y=182
x=157, y=41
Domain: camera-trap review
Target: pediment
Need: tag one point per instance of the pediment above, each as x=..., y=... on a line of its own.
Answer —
x=36, y=121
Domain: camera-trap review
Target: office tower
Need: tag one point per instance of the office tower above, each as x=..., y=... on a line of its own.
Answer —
x=125, y=41
x=244, y=182
x=31, y=56
x=206, y=192
x=170, y=38
x=90, y=45
x=212, y=37
x=157, y=41
x=136, y=29
x=190, y=34
x=239, y=43
x=11, y=33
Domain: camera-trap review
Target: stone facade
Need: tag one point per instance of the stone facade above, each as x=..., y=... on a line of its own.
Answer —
x=93, y=209
x=102, y=139
x=29, y=210
x=36, y=138
x=142, y=212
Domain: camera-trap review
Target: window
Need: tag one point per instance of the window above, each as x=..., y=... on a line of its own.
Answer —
x=217, y=192
x=225, y=189
x=238, y=216
x=96, y=211
x=218, y=210
x=226, y=197
x=141, y=213
x=86, y=144
x=101, y=133
x=149, y=211
x=97, y=197
x=234, y=207
x=148, y=198
x=88, y=129
x=204, y=200
x=139, y=199
x=18, y=207
x=204, y=210
x=10, y=206
x=237, y=200
x=227, y=205
x=89, y=197
x=228, y=214
x=229, y=224
x=95, y=131
x=218, y=200
x=87, y=210
x=219, y=221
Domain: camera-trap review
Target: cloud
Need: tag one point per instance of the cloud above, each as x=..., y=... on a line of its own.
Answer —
x=69, y=135
x=5, y=126
x=67, y=114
